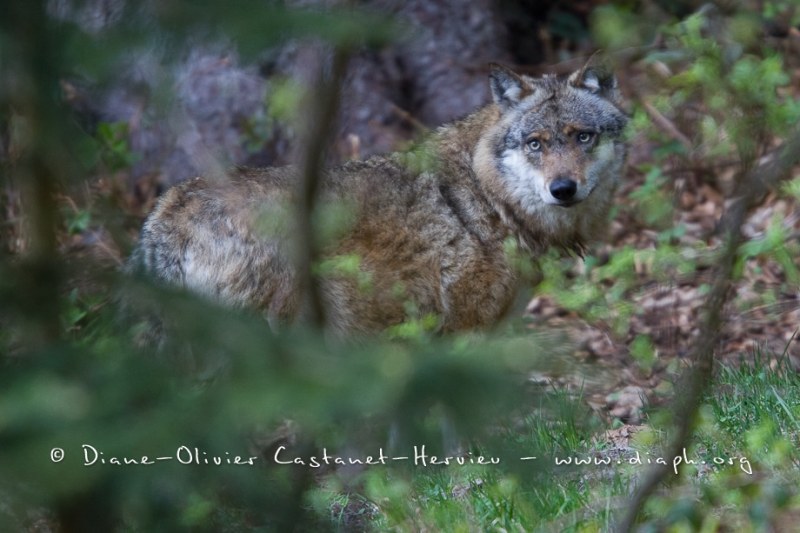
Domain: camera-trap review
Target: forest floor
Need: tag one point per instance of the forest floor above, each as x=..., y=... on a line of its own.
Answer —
x=761, y=319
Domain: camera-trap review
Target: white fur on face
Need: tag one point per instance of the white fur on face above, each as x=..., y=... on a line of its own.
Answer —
x=530, y=187
x=525, y=183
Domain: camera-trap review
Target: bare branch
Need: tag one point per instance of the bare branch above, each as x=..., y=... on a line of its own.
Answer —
x=774, y=168
x=667, y=125
x=320, y=131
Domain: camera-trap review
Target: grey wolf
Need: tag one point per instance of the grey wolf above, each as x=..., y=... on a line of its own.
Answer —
x=427, y=229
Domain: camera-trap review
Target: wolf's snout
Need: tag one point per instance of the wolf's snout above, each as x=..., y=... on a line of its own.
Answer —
x=563, y=189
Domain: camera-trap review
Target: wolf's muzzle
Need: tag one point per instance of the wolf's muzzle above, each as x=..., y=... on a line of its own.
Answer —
x=563, y=190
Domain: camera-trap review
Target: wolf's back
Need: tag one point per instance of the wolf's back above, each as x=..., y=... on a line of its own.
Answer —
x=208, y=238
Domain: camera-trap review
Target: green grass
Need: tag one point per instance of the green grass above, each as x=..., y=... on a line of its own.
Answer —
x=751, y=412
x=755, y=408
x=514, y=495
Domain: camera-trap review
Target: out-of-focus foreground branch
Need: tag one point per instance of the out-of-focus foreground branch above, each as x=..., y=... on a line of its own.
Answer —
x=30, y=91
x=319, y=128
x=750, y=189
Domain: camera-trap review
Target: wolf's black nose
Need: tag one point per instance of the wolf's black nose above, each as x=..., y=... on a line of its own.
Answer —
x=563, y=189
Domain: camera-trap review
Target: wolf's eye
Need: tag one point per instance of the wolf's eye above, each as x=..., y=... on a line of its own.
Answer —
x=535, y=145
x=585, y=137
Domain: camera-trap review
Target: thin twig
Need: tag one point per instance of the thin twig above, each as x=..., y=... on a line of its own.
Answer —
x=667, y=125
x=765, y=176
x=408, y=117
x=696, y=378
x=320, y=132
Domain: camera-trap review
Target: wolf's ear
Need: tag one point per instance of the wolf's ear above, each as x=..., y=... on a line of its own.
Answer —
x=508, y=87
x=597, y=79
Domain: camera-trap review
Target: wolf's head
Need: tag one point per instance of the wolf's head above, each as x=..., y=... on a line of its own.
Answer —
x=556, y=149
